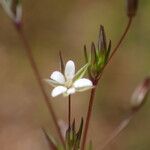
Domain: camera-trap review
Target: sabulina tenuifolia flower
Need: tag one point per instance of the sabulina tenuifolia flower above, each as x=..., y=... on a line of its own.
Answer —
x=69, y=82
x=13, y=9
x=132, y=7
x=140, y=94
x=99, y=55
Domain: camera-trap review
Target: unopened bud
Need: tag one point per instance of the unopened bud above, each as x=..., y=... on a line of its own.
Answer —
x=140, y=94
x=102, y=45
x=13, y=9
x=132, y=7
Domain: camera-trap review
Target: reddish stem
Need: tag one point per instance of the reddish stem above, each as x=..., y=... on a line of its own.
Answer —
x=94, y=90
x=116, y=132
x=88, y=117
x=118, y=44
x=39, y=79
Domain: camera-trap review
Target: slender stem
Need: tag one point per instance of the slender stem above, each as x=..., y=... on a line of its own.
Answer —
x=118, y=44
x=94, y=90
x=88, y=117
x=118, y=130
x=50, y=142
x=39, y=79
x=122, y=38
x=69, y=111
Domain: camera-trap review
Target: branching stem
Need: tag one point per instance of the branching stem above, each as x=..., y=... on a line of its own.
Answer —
x=118, y=44
x=88, y=116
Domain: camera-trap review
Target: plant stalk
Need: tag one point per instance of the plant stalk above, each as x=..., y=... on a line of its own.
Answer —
x=50, y=143
x=118, y=44
x=94, y=90
x=69, y=111
x=88, y=117
x=118, y=130
x=39, y=79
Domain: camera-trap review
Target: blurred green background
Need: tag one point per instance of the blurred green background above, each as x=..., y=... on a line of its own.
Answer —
x=67, y=25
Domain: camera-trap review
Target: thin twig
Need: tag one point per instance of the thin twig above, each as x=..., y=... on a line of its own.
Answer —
x=94, y=90
x=118, y=44
x=39, y=79
x=88, y=116
x=50, y=143
x=116, y=132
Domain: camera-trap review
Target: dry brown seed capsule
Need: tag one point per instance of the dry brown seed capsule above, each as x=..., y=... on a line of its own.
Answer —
x=140, y=94
x=132, y=7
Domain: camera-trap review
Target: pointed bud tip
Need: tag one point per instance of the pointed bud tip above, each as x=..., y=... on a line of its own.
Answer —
x=101, y=27
x=102, y=44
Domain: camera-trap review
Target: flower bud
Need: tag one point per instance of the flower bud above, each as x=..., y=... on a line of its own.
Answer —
x=140, y=94
x=102, y=45
x=13, y=9
x=132, y=7
x=98, y=56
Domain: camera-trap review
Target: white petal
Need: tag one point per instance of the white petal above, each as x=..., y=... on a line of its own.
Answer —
x=83, y=84
x=58, y=76
x=71, y=91
x=70, y=70
x=58, y=90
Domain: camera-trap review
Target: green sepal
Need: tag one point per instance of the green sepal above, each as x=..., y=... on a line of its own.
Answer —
x=108, y=51
x=81, y=72
x=86, y=55
x=70, y=136
x=93, y=54
x=78, y=136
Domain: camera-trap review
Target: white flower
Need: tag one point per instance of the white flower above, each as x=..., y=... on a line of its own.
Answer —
x=69, y=83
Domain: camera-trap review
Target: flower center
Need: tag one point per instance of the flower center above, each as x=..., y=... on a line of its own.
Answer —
x=68, y=83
